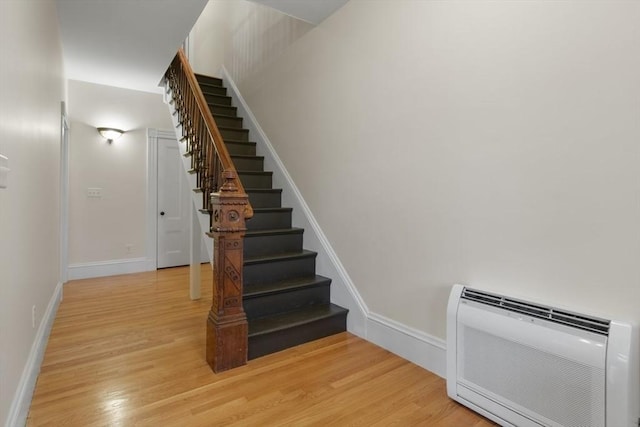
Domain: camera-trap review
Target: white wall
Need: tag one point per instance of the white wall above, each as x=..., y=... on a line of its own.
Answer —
x=31, y=73
x=489, y=143
x=101, y=229
x=243, y=36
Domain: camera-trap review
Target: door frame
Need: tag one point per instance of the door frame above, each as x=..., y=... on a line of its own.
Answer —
x=64, y=195
x=151, y=241
x=152, y=193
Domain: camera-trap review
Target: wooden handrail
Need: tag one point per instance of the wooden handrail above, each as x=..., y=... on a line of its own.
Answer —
x=207, y=138
x=226, y=201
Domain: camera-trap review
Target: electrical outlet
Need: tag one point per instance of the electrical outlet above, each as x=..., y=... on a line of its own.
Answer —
x=33, y=317
x=94, y=193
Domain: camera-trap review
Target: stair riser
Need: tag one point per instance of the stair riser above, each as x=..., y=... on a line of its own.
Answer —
x=240, y=149
x=252, y=164
x=209, y=80
x=255, y=181
x=224, y=110
x=235, y=134
x=213, y=90
x=219, y=100
x=265, y=200
x=272, y=245
x=270, y=343
x=285, y=301
x=228, y=122
x=270, y=272
x=270, y=220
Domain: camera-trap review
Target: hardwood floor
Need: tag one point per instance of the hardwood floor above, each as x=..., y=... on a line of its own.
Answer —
x=129, y=350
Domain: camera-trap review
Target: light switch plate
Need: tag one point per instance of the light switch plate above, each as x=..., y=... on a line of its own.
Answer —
x=4, y=171
x=94, y=193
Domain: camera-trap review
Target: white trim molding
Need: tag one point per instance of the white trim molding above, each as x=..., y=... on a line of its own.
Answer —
x=416, y=346
x=19, y=409
x=112, y=267
x=152, y=193
x=64, y=192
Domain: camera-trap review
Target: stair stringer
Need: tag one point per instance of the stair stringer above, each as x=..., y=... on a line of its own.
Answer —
x=343, y=290
x=203, y=218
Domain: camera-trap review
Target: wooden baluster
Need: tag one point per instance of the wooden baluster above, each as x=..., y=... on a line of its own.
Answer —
x=202, y=140
x=215, y=183
x=202, y=172
x=209, y=161
x=181, y=96
x=186, y=120
x=227, y=327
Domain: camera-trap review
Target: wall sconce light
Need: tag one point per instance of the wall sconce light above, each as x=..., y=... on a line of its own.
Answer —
x=110, y=134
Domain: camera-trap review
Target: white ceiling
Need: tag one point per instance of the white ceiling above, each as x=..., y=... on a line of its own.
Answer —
x=313, y=11
x=124, y=43
x=130, y=43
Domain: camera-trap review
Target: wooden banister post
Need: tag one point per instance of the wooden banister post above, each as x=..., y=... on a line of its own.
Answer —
x=227, y=329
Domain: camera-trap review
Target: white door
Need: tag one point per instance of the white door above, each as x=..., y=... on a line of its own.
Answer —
x=173, y=206
x=173, y=210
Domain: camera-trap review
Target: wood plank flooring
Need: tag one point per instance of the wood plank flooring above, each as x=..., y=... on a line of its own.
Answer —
x=129, y=350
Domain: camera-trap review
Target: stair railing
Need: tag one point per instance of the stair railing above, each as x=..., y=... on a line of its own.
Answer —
x=228, y=205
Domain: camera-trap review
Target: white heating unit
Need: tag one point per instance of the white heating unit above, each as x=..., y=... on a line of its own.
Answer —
x=529, y=365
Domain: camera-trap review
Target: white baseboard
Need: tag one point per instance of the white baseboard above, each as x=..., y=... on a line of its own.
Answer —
x=109, y=268
x=416, y=346
x=21, y=403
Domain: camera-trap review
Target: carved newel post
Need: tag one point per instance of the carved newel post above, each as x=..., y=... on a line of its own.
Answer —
x=227, y=328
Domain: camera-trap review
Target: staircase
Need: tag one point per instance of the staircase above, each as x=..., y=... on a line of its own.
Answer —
x=286, y=303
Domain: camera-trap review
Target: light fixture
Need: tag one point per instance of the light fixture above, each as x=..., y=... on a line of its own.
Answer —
x=110, y=134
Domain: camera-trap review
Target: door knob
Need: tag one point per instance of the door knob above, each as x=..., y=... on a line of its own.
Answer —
x=162, y=213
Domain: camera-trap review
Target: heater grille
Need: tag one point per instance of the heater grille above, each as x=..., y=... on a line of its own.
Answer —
x=531, y=381
x=586, y=323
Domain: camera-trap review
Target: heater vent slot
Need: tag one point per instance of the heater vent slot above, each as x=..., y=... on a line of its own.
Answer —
x=586, y=323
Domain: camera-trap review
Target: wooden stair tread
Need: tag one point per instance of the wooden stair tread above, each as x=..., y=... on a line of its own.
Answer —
x=278, y=209
x=237, y=141
x=279, y=257
x=286, y=285
x=263, y=190
x=273, y=232
x=245, y=172
x=225, y=116
x=291, y=319
x=213, y=104
x=233, y=129
x=269, y=232
x=207, y=78
x=219, y=86
x=246, y=156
